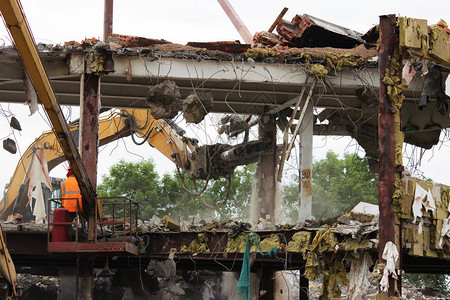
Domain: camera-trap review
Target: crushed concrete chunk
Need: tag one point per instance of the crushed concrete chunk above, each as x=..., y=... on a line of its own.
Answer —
x=196, y=106
x=163, y=269
x=164, y=100
x=10, y=146
x=266, y=38
x=170, y=223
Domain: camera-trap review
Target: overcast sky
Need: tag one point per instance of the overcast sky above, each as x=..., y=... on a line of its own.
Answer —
x=181, y=21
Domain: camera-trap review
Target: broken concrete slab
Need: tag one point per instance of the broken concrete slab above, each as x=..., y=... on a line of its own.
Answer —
x=164, y=100
x=10, y=146
x=170, y=223
x=309, y=31
x=225, y=46
x=266, y=38
x=196, y=106
x=134, y=41
x=163, y=269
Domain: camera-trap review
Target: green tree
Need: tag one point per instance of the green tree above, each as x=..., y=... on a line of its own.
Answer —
x=437, y=281
x=166, y=195
x=338, y=185
x=137, y=181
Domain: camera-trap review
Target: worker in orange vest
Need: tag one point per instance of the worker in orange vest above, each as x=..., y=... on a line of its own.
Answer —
x=71, y=191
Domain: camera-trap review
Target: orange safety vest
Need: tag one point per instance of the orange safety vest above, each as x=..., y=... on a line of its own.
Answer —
x=71, y=191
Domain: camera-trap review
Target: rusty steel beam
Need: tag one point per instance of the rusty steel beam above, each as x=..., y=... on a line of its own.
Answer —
x=386, y=141
x=108, y=19
x=17, y=25
x=89, y=125
x=280, y=16
x=89, y=137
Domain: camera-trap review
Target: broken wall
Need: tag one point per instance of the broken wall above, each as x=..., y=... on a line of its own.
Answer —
x=424, y=220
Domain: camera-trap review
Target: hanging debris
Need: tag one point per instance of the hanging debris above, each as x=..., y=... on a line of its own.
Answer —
x=309, y=31
x=196, y=106
x=10, y=146
x=164, y=100
x=233, y=125
x=14, y=123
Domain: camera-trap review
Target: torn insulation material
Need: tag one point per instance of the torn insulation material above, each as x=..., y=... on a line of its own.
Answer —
x=419, y=196
x=390, y=254
x=445, y=231
x=197, y=247
x=273, y=241
x=422, y=199
x=238, y=243
x=397, y=197
x=359, y=277
x=300, y=242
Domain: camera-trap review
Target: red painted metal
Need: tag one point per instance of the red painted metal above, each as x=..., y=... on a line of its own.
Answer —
x=280, y=16
x=60, y=232
x=386, y=140
x=124, y=208
x=108, y=19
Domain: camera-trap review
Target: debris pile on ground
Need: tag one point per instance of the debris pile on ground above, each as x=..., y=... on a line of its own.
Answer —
x=35, y=287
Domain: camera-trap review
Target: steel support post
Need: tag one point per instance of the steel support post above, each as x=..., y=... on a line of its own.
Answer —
x=108, y=19
x=85, y=276
x=89, y=110
x=386, y=141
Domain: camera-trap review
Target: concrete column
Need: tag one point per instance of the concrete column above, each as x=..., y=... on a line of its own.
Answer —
x=68, y=283
x=267, y=285
x=265, y=199
x=85, y=278
x=282, y=286
x=306, y=144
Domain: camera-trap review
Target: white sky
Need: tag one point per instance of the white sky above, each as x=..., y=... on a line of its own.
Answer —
x=181, y=21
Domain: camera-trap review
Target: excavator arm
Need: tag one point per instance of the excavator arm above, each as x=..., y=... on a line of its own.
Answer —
x=200, y=162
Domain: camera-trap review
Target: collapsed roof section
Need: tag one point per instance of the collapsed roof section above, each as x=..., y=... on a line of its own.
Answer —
x=264, y=79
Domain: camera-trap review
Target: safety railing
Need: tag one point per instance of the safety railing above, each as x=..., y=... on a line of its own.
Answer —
x=120, y=218
x=124, y=207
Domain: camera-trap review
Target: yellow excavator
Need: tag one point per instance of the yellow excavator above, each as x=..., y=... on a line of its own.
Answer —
x=7, y=269
x=199, y=162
